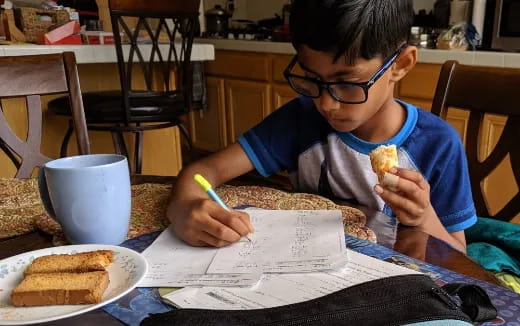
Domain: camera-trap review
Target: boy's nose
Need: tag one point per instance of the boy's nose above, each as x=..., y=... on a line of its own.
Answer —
x=326, y=102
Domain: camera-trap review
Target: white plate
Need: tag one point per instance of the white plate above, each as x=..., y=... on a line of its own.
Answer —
x=127, y=270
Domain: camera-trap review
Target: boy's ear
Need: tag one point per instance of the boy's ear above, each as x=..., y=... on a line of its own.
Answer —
x=404, y=63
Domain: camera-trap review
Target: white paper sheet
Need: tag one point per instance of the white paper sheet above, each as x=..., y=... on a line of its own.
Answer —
x=286, y=242
x=173, y=263
x=283, y=241
x=282, y=289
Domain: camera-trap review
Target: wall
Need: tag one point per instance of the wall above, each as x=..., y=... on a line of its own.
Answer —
x=259, y=9
x=251, y=9
x=423, y=4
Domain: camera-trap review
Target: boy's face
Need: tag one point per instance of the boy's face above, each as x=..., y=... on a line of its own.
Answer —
x=346, y=117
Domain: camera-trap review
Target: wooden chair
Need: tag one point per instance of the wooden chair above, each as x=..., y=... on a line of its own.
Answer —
x=30, y=77
x=158, y=106
x=484, y=90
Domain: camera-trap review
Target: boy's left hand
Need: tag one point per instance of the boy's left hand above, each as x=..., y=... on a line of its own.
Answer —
x=410, y=201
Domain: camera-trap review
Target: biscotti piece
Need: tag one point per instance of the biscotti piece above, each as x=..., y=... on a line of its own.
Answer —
x=75, y=263
x=60, y=289
x=383, y=158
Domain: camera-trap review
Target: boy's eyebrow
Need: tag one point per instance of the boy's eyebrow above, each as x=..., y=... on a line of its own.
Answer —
x=344, y=72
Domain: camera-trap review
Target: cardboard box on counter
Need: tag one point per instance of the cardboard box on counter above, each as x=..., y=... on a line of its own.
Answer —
x=63, y=34
x=97, y=37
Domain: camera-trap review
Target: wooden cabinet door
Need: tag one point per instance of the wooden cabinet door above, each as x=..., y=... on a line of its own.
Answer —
x=282, y=94
x=247, y=104
x=208, y=127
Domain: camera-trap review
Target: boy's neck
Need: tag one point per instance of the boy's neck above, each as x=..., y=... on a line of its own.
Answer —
x=385, y=124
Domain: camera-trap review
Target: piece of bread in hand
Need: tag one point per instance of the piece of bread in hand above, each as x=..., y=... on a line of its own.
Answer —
x=42, y=289
x=74, y=263
x=383, y=158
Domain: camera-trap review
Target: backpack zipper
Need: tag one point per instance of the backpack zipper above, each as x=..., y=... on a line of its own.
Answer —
x=441, y=294
x=371, y=308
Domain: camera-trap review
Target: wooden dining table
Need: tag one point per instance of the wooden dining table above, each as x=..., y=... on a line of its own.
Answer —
x=409, y=241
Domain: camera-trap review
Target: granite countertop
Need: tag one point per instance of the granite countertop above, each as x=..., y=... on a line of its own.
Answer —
x=479, y=58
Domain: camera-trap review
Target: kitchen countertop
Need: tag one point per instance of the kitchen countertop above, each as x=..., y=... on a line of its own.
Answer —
x=478, y=58
x=201, y=51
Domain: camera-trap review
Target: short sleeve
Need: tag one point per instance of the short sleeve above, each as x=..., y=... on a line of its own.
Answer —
x=450, y=188
x=275, y=143
x=272, y=144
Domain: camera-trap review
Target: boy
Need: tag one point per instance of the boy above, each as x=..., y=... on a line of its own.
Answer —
x=352, y=52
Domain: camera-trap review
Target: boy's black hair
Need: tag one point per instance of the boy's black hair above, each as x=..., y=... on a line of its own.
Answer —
x=351, y=28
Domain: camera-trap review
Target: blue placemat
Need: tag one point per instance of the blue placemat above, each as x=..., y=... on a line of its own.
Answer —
x=135, y=306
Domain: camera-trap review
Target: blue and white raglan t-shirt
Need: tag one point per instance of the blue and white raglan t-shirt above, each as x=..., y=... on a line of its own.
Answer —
x=321, y=160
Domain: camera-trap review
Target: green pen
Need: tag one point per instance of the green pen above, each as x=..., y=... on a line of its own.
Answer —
x=206, y=186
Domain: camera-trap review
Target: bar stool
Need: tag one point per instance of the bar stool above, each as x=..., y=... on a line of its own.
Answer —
x=167, y=65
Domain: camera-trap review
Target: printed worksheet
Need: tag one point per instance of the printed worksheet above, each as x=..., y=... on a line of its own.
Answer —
x=283, y=241
x=286, y=241
x=282, y=289
x=173, y=263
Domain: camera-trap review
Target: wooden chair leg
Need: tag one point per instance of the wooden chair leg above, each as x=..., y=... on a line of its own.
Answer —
x=138, y=153
x=116, y=142
x=66, y=139
x=186, y=135
x=119, y=143
x=120, y=146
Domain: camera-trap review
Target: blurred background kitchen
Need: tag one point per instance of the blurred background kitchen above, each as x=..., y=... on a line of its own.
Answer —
x=444, y=24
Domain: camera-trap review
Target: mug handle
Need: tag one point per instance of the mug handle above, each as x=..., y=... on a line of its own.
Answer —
x=44, y=193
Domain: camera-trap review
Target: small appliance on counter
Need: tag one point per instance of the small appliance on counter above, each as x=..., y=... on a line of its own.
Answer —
x=506, y=25
x=423, y=37
x=217, y=22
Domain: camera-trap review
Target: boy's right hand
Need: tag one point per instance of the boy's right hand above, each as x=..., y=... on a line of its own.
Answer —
x=208, y=224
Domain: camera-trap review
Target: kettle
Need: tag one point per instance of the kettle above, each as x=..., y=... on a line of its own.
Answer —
x=216, y=20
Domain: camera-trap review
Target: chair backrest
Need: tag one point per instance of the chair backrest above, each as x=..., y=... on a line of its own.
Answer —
x=30, y=77
x=484, y=90
x=174, y=19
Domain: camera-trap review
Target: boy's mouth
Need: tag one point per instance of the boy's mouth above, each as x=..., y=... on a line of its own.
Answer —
x=338, y=119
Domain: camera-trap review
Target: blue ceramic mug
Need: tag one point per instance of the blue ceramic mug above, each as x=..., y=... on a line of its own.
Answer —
x=89, y=196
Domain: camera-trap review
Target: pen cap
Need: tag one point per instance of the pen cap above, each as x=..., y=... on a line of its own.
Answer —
x=203, y=183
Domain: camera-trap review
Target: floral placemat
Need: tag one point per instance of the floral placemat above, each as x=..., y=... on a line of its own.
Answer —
x=20, y=206
x=21, y=210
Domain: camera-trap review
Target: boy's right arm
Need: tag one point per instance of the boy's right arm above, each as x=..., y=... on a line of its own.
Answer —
x=195, y=218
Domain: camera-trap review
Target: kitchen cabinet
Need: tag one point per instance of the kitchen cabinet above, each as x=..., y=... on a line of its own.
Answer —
x=247, y=103
x=282, y=94
x=243, y=88
x=208, y=127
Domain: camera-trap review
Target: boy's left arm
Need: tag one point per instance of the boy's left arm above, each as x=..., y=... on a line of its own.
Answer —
x=411, y=203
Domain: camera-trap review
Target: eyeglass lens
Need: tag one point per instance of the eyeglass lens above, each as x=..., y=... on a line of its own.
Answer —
x=342, y=92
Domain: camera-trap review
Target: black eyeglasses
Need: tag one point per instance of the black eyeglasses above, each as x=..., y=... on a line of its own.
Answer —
x=344, y=92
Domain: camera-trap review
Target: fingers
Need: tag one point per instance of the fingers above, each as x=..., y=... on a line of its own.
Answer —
x=407, y=193
x=213, y=241
x=237, y=221
x=210, y=224
x=402, y=206
x=246, y=220
x=412, y=176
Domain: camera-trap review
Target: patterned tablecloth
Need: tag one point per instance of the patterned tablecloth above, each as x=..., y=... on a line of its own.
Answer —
x=21, y=210
x=139, y=303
